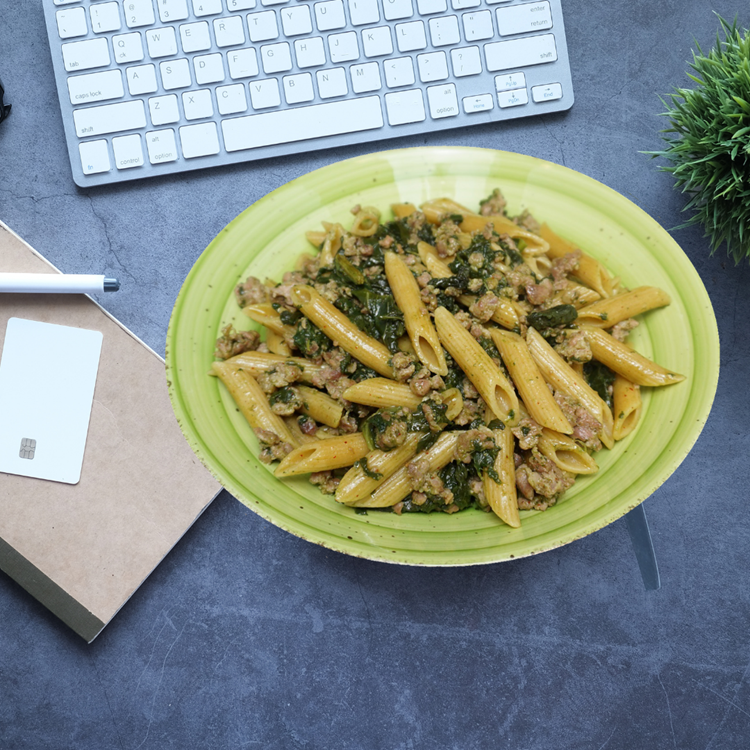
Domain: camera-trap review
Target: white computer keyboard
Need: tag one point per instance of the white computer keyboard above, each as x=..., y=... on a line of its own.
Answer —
x=151, y=87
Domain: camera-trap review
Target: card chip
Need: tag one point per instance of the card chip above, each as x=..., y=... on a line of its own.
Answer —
x=28, y=448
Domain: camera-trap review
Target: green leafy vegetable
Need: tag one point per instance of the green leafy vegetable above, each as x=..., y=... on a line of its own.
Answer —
x=560, y=315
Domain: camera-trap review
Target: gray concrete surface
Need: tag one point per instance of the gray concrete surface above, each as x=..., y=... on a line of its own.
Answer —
x=247, y=637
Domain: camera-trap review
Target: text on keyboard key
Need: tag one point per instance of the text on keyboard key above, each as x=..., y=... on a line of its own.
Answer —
x=92, y=53
x=71, y=22
x=520, y=53
x=516, y=98
x=128, y=151
x=128, y=47
x=480, y=103
x=283, y=126
x=161, y=146
x=95, y=87
x=94, y=157
x=520, y=19
x=443, y=101
x=109, y=118
x=173, y=10
x=546, y=93
x=105, y=17
x=139, y=13
x=362, y=12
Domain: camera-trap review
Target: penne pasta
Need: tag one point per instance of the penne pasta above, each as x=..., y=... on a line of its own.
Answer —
x=422, y=333
x=525, y=374
x=566, y=453
x=339, y=328
x=323, y=455
x=485, y=375
x=612, y=310
x=265, y=314
x=380, y=392
x=401, y=210
x=501, y=495
x=626, y=407
x=276, y=344
x=320, y=406
x=252, y=402
x=257, y=363
x=626, y=361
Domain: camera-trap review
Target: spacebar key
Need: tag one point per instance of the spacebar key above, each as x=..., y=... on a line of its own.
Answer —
x=302, y=123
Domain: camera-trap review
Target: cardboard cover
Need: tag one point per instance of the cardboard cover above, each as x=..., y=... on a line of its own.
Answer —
x=82, y=550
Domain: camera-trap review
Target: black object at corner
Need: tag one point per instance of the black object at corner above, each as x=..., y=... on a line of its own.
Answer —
x=4, y=108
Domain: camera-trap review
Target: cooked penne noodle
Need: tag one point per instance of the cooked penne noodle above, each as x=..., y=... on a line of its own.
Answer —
x=501, y=496
x=422, y=333
x=589, y=271
x=257, y=363
x=277, y=344
x=366, y=222
x=399, y=484
x=380, y=392
x=264, y=314
x=565, y=453
x=339, y=328
x=535, y=244
x=574, y=294
x=565, y=379
x=504, y=314
x=626, y=361
x=251, y=401
x=316, y=238
x=426, y=250
x=302, y=438
x=324, y=455
x=525, y=374
x=477, y=365
x=612, y=310
x=331, y=243
x=320, y=406
x=401, y=210
x=356, y=484
x=626, y=406
x=436, y=210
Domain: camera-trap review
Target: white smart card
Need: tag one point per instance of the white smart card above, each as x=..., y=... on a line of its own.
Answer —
x=47, y=379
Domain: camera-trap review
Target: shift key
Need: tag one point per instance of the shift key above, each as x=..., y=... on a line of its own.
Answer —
x=110, y=118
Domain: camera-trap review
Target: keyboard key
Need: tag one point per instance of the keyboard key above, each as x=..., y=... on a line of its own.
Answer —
x=547, y=93
x=175, y=74
x=444, y=31
x=477, y=26
x=197, y=105
x=329, y=15
x=410, y=36
x=235, y=5
x=443, y=101
x=128, y=47
x=343, y=47
x=296, y=20
x=243, y=63
x=172, y=10
x=71, y=22
x=231, y=100
x=510, y=81
x=262, y=26
x=109, y=118
x=273, y=2
x=520, y=19
x=395, y=10
x=208, y=69
x=94, y=157
x=105, y=17
x=276, y=58
x=464, y=4
x=428, y=7
x=480, y=103
x=377, y=42
x=229, y=31
x=399, y=72
x=265, y=93
x=195, y=37
x=206, y=8
x=128, y=151
x=161, y=146
x=362, y=12
x=141, y=80
x=433, y=66
x=310, y=52
x=405, y=107
x=298, y=88
x=93, y=53
x=199, y=140
x=139, y=13
x=515, y=98
x=365, y=78
x=161, y=42
x=321, y=120
x=163, y=110
x=331, y=83
x=519, y=53
x=466, y=61
x=95, y=87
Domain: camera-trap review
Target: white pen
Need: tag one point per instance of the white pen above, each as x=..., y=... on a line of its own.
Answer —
x=57, y=283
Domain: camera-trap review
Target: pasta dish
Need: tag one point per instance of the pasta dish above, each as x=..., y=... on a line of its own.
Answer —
x=438, y=360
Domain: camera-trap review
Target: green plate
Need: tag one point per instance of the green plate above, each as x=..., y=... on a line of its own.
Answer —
x=266, y=239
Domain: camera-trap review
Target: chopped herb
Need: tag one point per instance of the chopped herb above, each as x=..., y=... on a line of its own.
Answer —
x=600, y=378
x=560, y=315
x=310, y=340
x=362, y=464
x=289, y=317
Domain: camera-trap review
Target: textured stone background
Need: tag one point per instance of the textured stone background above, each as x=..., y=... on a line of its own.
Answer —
x=247, y=637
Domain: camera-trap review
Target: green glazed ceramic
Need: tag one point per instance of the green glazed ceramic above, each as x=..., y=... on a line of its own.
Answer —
x=266, y=239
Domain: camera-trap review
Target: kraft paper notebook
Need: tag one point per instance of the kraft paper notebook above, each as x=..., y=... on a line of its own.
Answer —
x=83, y=547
